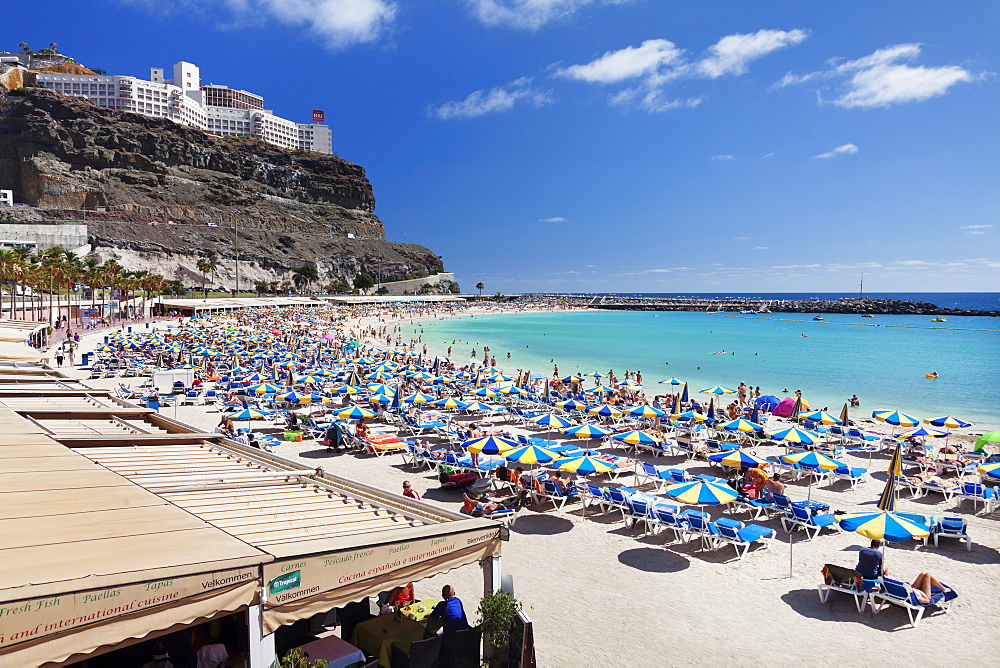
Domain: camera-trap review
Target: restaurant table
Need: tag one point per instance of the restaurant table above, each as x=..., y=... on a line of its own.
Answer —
x=420, y=610
x=336, y=652
x=376, y=636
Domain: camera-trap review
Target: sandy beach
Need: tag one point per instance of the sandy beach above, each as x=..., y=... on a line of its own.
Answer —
x=602, y=593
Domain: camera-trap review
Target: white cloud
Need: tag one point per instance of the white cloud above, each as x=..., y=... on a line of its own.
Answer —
x=724, y=156
x=656, y=63
x=741, y=238
x=845, y=149
x=553, y=219
x=338, y=23
x=882, y=79
x=627, y=63
x=975, y=229
x=530, y=14
x=733, y=53
x=494, y=100
x=759, y=248
x=768, y=155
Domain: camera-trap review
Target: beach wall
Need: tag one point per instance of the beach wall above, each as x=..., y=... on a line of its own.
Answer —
x=70, y=237
x=442, y=280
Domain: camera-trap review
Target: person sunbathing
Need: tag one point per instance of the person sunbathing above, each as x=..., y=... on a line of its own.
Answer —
x=477, y=506
x=924, y=585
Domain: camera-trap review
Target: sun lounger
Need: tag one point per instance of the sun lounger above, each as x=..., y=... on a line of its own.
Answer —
x=951, y=527
x=895, y=592
x=850, y=474
x=978, y=493
x=616, y=498
x=801, y=518
x=848, y=581
x=756, y=507
x=550, y=492
x=591, y=495
x=650, y=473
x=743, y=536
x=636, y=511
x=665, y=517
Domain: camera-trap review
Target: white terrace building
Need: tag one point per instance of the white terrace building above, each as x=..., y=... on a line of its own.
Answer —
x=182, y=98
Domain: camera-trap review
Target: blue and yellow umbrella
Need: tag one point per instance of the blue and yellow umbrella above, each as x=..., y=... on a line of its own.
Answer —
x=450, y=402
x=571, y=404
x=738, y=459
x=551, y=420
x=585, y=465
x=354, y=413
x=605, y=410
x=264, y=388
x=818, y=416
x=948, y=422
x=886, y=524
x=646, y=411
x=812, y=459
x=992, y=469
x=740, y=424
x=587, y=430
x=718, y=390
x=896, y=418
x=531, y=454
x=419, y=398
x=489, y=445
x=478, y=406
x=922, y=431
x=701, y=493
x=247, y=414
x=671, y=381
x=636, y=437
x=794, y=435
x=485, y=392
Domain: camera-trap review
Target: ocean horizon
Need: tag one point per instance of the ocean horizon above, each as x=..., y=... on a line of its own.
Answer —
x=981, y=301
x=884, y=360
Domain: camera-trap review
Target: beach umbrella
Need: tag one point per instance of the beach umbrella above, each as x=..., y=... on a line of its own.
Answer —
x=684, y=394
x=381, y=388
x=247, y=414
x=844, y=418
x=717, y=390
x=755, y=413
x=692, y=415
x=636, y=437
x=886, y=524
x=450, y=402
x=571, y=404
x=948, y=422
x=675, y=412
x=478, y=406
x=896, y=418
x=551, y=420
x=599, y=389
x=531, y=454
x=588, y=430
x=310, y=379
x=738, y=459
x=264, y=388
x=671, y=381
x=740, y=424
x=572, y=379
x=605, y=410
x=794, y=435
x=646, y=411
x=594, y=374
x=585, y=465
x=489, y=445
x=988, y=437
x=992, y=470
x=354, y=413
x=811, y=459
x=701, y=493
x=766, y=402
x=511, y=390
x=381, y=399
x=922, y=431
x=818, y=416
x=419, y=398
x=485, y=392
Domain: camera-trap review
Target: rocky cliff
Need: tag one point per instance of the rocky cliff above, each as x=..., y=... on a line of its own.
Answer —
x=170, y=194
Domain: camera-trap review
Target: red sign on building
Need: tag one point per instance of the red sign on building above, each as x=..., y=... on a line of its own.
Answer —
x=318, y=115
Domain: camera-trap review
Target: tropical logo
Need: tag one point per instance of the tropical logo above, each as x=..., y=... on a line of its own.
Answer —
x=284, y=582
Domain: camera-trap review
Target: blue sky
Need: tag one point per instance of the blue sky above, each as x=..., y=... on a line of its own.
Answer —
x=623, y=145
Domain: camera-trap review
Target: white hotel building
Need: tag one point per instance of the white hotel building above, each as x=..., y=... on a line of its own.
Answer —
x=218, y=110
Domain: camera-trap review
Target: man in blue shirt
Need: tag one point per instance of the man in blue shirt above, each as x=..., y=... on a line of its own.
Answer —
x=870, y=561
x=451, y=613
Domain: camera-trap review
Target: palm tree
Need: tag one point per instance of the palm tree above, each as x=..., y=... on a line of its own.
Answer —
x=480, y=287
x=305, y=275
x=113, y=274
x=206, y=267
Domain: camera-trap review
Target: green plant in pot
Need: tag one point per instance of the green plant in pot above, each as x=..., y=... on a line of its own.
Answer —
x=498, y=611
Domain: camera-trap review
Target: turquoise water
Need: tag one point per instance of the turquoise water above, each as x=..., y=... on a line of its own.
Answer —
x=843, y=355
